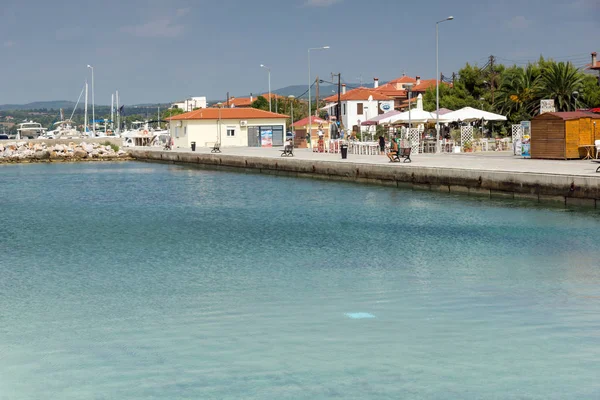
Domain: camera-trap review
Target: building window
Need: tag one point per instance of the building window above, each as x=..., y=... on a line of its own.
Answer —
x=359, y=108
x=177, y=131
x=184, y=130
x=230, y=131
x=344, y=111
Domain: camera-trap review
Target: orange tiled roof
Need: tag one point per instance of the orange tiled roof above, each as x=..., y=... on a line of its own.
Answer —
x=247, y=101
x=403, y=79
x=358, y=94
x=226, y=113
x=313, y=121
x=391, y=91
x=424, y=85
x=594, y=67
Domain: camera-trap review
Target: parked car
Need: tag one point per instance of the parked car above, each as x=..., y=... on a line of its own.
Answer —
x=289, y=135
x=3, y=137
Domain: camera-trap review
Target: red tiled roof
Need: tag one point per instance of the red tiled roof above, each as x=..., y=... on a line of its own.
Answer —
x=227, y=113
x=360, y=93
x=424, y=85
x=403, y=79
x=391, y=91
x=313, y=121
x=566, y=115
x=247, y=101
x=594, y=67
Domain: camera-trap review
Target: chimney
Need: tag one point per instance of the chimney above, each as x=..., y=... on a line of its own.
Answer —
x=594, y=59
x=418, y=80
x=375, y=83
x=343, y=88
x=251, y=98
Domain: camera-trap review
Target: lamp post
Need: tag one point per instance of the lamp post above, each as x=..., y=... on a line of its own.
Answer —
x=93, y=103
x=219, y=105
x=292, y=97
x=309, y=130
x=437, y=84
x=269, y=71
x=408, y=87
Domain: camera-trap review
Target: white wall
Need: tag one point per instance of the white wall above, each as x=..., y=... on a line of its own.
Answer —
x=191, y=103
x=206, y=132
x=370, y=110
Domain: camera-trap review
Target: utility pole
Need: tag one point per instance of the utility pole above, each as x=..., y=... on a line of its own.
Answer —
x=317, y=99
x=454, y=79
x=492, y=76
x=338, y=107
x=227, y=104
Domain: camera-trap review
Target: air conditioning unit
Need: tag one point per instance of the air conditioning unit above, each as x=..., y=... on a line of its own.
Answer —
x=243, y=123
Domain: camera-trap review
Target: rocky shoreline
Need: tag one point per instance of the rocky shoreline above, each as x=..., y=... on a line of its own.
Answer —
x=27, y=152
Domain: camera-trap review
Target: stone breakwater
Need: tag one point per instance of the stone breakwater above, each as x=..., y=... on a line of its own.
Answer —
x=23, y=152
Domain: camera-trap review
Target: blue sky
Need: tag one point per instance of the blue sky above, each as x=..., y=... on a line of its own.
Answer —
x=157, y=51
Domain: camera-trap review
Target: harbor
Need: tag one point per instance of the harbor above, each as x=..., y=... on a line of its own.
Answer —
x=494, y=174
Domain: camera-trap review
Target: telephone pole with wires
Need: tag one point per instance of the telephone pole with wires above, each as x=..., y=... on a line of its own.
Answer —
x=338, y=107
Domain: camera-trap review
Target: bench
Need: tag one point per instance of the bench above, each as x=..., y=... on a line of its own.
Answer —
x=597, y=162
x=288, y=151
x=404, y=153
x=216, y=148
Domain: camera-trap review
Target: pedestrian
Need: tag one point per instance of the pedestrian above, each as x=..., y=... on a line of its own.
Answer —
x=381, y=145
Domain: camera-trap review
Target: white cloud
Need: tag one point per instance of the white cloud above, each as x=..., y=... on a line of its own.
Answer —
x=162, y=27
x=182, y=11
x=519, y=22
x=321, y=3
x=9, y=43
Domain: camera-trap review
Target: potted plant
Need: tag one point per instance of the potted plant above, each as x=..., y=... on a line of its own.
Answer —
x=468, y=147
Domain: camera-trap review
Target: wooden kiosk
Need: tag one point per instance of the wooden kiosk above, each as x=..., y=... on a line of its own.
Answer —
x=564, y=135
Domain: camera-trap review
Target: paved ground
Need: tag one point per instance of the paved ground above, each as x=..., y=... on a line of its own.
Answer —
x=485, y=161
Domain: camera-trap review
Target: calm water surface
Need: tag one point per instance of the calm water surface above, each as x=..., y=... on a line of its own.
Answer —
x=144, y=281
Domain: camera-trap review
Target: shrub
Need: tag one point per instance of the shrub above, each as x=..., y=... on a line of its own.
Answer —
x=112, y=145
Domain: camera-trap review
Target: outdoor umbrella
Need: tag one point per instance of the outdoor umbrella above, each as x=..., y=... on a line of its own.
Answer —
x=469, y=114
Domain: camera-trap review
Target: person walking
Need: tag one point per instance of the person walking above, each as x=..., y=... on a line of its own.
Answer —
x=381, y=145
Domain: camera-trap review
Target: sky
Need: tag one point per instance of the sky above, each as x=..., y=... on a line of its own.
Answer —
x=158, y=51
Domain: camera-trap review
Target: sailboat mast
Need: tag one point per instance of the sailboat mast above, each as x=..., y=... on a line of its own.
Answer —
x=158, y=117
x=118, y=115
x=112, y=111
x=85, y=123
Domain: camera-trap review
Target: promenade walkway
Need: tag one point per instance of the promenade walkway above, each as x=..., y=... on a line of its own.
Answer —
x=482, y=161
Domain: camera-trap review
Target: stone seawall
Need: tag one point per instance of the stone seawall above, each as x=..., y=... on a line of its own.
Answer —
x=30, y=151
x=538, y=187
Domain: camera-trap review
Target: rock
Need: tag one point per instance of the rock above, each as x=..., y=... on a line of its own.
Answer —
x=42, y=155
x=87, y=147
x=79, y=153
x=53, y=155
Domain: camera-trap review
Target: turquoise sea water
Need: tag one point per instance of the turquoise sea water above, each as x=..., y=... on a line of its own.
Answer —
x=148, y=281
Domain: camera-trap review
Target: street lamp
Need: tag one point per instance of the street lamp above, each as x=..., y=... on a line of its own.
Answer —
x=309, y=85
x=269, y=70
x=93, y=103
x=219, y=105
x=292, y=97
x=408, y=87
x=437, y=84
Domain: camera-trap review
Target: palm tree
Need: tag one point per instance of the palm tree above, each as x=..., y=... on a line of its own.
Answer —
x=559, y=82
x=519, y=92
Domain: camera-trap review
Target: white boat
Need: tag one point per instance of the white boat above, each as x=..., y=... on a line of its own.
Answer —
x=30, y=130
x=64, y=129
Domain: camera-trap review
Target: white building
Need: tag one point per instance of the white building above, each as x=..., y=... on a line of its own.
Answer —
x=231, y=127
x=191, y=103
x=359, y=105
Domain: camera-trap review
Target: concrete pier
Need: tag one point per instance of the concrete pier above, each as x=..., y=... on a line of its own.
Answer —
x=492, y=175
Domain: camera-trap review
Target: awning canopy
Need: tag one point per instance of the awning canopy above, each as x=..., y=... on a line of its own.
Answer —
x=469, y=114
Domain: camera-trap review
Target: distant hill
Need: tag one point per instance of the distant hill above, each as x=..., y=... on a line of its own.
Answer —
x=56, y=104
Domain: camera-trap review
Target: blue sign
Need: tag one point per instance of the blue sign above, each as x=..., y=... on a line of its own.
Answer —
x=385, y=106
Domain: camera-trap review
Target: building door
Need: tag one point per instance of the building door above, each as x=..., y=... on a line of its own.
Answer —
x=278, y=135
x=253, y=136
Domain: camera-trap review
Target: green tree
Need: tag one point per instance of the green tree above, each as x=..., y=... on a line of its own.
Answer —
x=559, y=81
x=519, y=93
x=261, y=103
x=171, y=112
x=453, y=98
x=590, y=92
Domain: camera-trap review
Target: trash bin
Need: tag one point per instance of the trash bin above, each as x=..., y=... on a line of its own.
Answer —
x=193, y=146
x=344, y=151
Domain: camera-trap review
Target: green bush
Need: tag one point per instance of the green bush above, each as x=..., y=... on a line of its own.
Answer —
x=112, y=145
